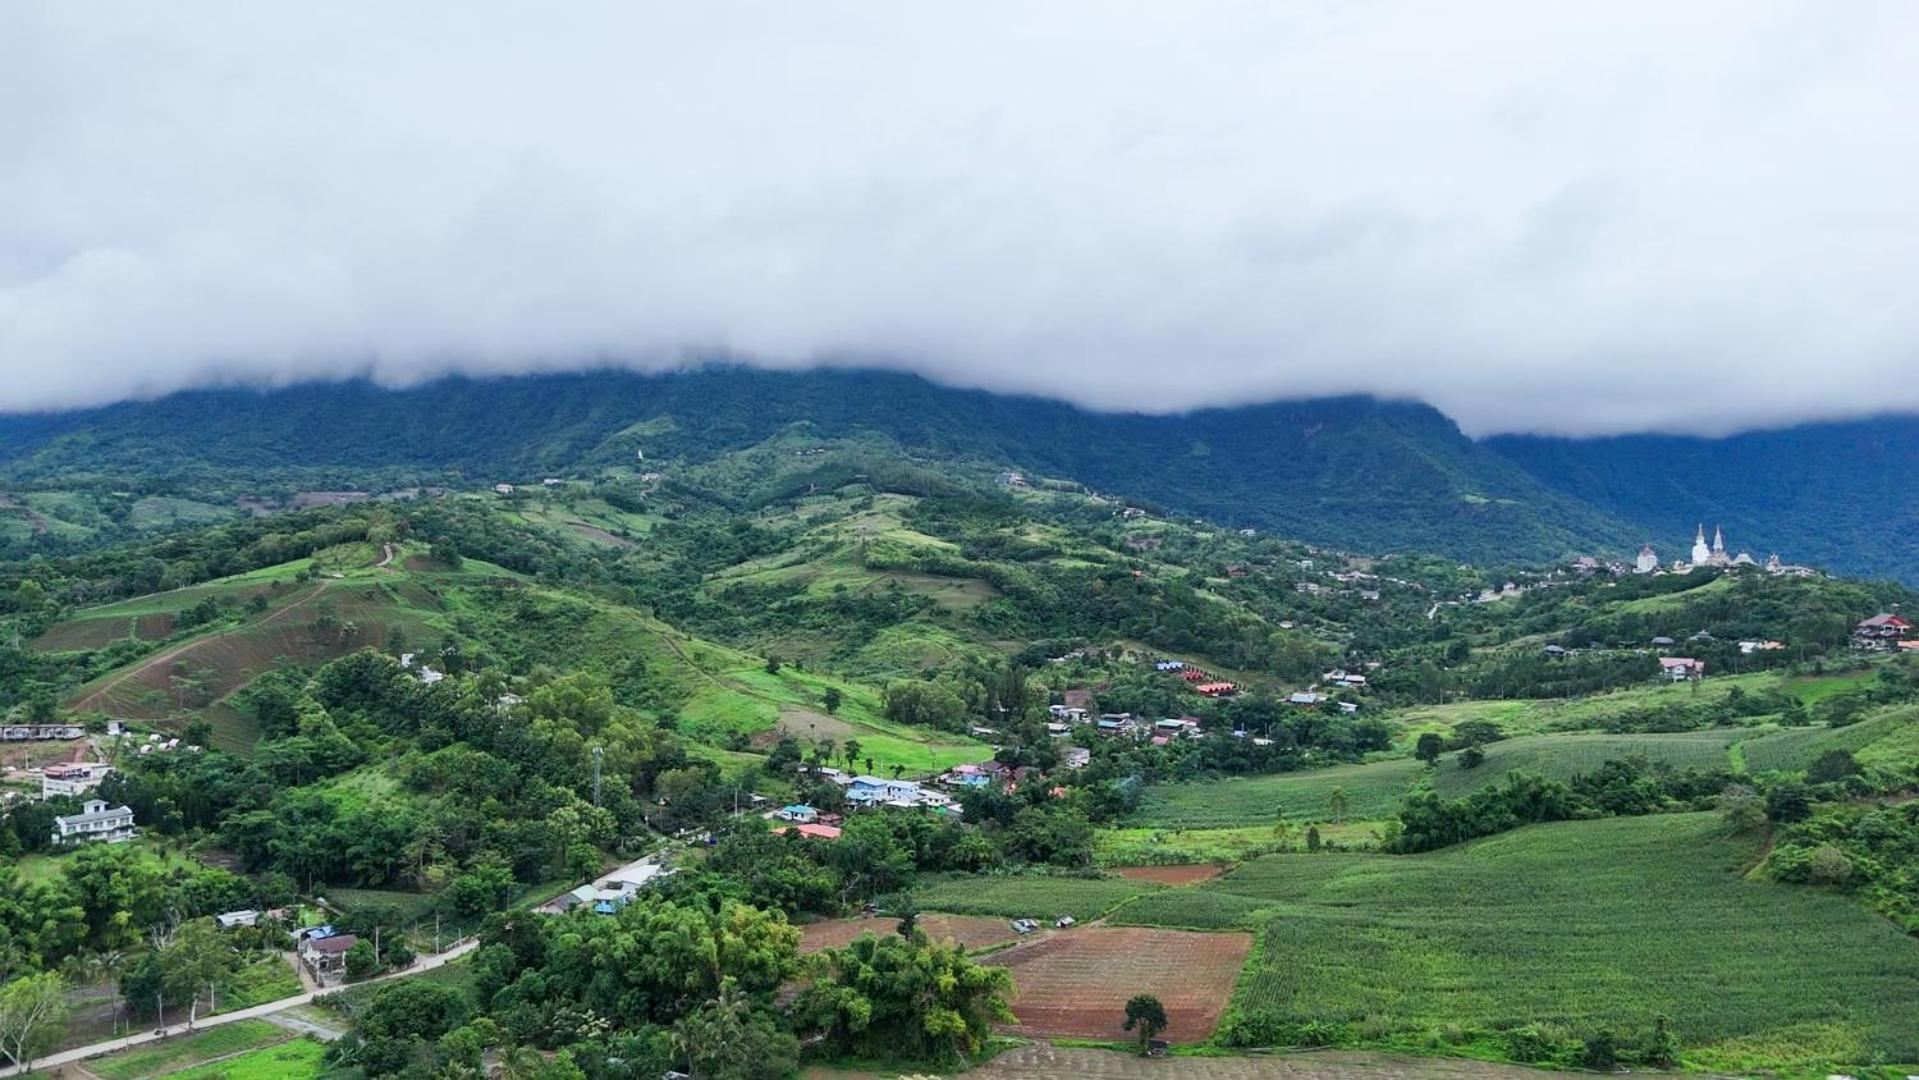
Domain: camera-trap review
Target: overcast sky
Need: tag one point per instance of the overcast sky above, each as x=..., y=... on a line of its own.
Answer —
x=1537, y=216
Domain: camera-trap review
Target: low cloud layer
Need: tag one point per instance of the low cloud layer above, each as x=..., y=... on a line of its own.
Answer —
x=1573, y=218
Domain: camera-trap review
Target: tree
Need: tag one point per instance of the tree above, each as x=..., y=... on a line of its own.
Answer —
x=33, y=1016
x=729, y=1039
x=1831, y=766
x=851, y=750
x=831, y=699
x=1336, y=802
x=1741, y=808
x=360, y=960
x=1429, y=747
x=772, y=664
x=903, y=998
x=1147, y=1017
x=1472, y=757
x=1787, y=803
x=196, y=961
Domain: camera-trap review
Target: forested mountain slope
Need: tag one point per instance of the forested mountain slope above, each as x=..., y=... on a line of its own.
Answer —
x=1352, y=472
x=1841, y=495
x=1355, y=473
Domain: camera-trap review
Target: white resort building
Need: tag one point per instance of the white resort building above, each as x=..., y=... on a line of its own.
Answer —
x=95, y=821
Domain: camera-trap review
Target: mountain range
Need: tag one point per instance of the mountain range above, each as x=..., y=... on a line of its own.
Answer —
x=1351, y=472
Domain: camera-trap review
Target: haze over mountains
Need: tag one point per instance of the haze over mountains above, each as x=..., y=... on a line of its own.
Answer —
x=1353, y=472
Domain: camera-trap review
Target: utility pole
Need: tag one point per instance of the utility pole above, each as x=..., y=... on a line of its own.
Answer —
x=599, y=753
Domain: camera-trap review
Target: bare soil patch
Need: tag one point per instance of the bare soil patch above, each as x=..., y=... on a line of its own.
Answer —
x=598, y=535
x=808, y=727
x=307, y=500
x=1184, y=874
x=1076, y=984
x=972, y=932
x=82, y=634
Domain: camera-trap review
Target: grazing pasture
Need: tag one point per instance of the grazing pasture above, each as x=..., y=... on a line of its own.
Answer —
x=1611, y=923
x=1076, y=984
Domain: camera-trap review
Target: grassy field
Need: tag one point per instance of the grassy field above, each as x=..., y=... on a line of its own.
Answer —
x=187, y=1051
x=1035, y=897
x=733, y=693
x=297, y=1059
x=264, y=978
x=1608, y=923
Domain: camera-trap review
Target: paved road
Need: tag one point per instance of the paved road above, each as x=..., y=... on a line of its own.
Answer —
x=81, y=1053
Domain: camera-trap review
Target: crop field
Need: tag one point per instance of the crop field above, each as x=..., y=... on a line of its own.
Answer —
x=1076, y=983
x=972, y=932
x=148, y=618
x=296, y=1059
x=1540, y=716
x=1372, y=791
x=1117, y=848
x=1610, y=923
x=1037, y=897
x=1190, y=909
x=1049, y=1061
x=1889, y=737
x=1561, y=757
x=186, y=1051
x=208, y=668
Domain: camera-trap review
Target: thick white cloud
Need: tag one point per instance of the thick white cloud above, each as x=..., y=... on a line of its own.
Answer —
x=1591, y=217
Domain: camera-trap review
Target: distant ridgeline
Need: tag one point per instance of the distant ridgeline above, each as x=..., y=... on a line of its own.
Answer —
x=1351, y=472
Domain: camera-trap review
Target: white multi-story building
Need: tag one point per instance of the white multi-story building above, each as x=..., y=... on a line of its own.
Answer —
x=96, y=821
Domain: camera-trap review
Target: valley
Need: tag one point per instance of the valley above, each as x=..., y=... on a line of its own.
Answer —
x=1307, y=797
